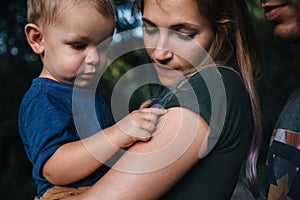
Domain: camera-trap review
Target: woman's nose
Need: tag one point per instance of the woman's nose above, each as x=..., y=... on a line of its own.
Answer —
x=162, y=49
x=162, y=55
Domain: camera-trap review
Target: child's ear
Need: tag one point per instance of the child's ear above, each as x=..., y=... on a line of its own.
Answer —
x=35, y=38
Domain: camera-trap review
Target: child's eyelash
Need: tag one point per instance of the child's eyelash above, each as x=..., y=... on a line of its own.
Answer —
x=78, y=45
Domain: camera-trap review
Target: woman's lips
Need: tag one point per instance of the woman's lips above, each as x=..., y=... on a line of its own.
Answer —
x=272, y=12
x=165, y=70
x=164, y=67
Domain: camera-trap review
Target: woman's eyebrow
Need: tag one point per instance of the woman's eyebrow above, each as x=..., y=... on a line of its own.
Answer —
x=175, y=26
x=184, y=26
x=147, y=21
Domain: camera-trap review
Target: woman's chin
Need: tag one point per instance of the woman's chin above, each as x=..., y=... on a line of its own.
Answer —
x=168, y=82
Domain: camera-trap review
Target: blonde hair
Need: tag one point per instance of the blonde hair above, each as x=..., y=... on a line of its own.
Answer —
x=45, y=12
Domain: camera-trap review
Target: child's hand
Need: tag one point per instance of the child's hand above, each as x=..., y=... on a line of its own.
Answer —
x=138, y=125
x=152, y=103
x=146, y=104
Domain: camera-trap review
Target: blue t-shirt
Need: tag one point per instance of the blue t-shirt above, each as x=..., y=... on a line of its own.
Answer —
x=46, y=122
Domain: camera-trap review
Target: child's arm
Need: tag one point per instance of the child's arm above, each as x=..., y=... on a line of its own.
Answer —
x=173, y=150
x=76, y=160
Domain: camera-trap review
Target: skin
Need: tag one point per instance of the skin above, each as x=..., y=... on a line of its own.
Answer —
x=117, y=184
x=190, y=27
x=65, y=46
x=286, y=18
x=128, y=178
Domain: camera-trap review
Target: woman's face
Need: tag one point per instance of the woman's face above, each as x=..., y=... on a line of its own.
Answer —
x=175, y=35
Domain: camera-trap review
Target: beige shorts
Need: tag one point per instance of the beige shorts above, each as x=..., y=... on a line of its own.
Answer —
x=58, y=192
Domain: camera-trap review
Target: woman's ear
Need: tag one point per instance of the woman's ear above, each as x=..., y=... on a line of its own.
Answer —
x=35, y=38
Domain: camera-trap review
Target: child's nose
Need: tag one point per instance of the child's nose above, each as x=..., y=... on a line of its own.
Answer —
x=92, y=57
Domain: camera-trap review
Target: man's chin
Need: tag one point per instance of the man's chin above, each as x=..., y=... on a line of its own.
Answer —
x=289, y=34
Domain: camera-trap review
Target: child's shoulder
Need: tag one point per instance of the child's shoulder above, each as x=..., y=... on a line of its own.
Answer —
x=43, y=91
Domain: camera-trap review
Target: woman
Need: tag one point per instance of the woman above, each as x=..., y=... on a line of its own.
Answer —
x=171, y=28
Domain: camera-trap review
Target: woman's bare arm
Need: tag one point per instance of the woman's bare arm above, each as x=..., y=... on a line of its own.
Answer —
x=148, y=170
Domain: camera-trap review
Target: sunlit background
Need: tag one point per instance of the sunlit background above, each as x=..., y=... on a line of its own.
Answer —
x=18, y=66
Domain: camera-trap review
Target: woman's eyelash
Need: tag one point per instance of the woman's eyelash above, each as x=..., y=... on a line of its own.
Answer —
x=186, y=36
x=151, y=30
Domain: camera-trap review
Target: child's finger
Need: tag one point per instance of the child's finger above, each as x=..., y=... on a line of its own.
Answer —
x=146, y=136
x=143, y=135
x=151, y=117
x=148, y=126
x=158, y=111
x=145, y=104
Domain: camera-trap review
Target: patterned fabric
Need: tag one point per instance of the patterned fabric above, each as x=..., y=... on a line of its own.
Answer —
x=284, y=155
x=58, y=192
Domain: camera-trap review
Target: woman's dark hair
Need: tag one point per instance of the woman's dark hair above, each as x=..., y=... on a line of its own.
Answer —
x=235, y=45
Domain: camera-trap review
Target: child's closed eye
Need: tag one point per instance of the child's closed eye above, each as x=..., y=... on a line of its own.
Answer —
x=78, y=45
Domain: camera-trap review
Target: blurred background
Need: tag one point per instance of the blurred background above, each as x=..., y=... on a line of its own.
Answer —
x=18, y=66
